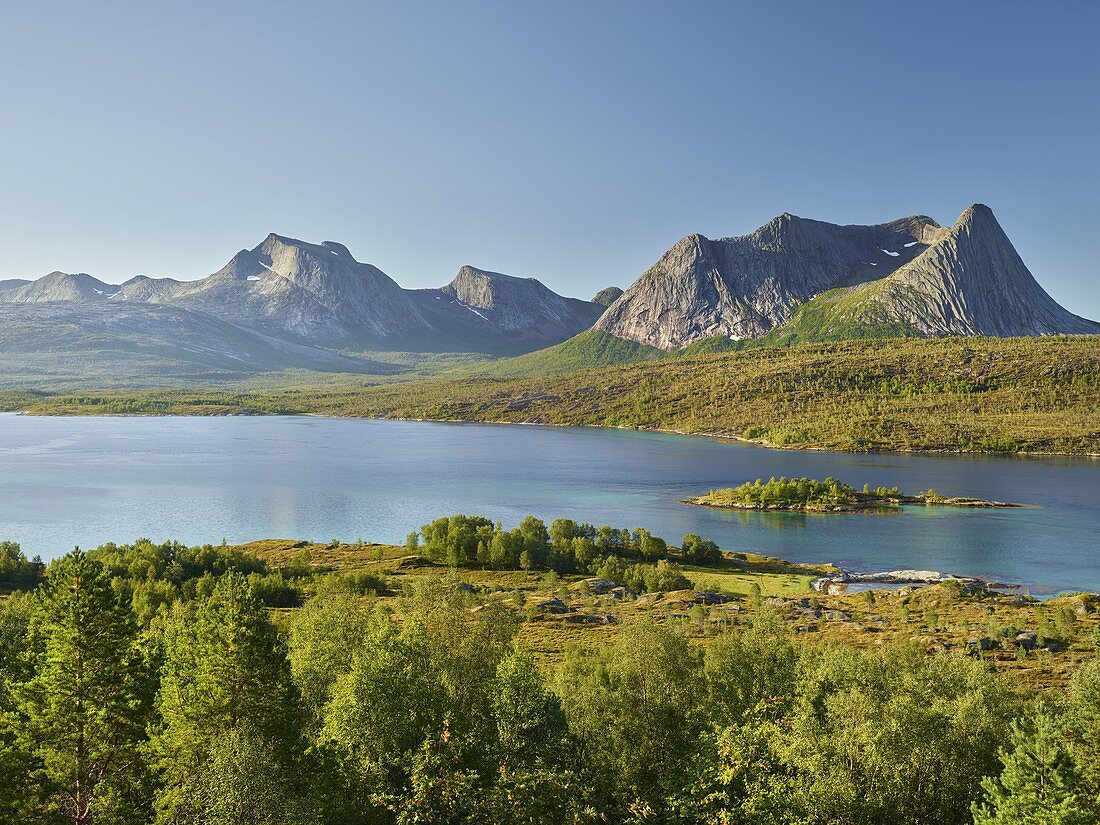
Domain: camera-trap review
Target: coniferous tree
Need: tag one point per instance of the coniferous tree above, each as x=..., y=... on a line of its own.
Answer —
x=225, y=670
x=80, y=715
x=1084, y=730
x=1039, y=783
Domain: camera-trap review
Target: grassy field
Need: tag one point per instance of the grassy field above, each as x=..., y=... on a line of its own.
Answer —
x=1038, y=395
x=939, y=618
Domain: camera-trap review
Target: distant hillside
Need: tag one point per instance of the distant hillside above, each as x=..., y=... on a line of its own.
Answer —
x=589, y=349
x=302, y=305
x=93, y=344
x=12, y=283
x=983, y=394
x=1036, y=395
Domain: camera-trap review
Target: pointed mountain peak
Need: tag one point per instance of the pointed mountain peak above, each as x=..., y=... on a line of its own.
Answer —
x=977, y=215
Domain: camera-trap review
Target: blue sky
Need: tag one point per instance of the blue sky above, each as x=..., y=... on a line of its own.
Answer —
x=569, y=141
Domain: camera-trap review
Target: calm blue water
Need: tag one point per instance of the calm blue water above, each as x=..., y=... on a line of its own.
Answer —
x=85, y=481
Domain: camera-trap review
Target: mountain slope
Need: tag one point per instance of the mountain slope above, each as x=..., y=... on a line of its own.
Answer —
x=12, y=283
x=59, y=286
x=742, y=287
x=971, y=282
x=106, y=343
x=909, y=276
x=590, y=348
x=319, y=294
x=502, y=313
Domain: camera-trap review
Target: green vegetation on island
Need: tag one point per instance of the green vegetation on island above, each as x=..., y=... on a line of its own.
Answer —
x=1031, y=395
x=828, y=496
x=156, y=683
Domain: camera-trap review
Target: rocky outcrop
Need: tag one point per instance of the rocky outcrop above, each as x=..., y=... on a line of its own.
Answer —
x=607, y=296
x=911, y=272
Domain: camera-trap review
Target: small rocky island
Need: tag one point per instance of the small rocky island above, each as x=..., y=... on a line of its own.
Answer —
x=829, y=496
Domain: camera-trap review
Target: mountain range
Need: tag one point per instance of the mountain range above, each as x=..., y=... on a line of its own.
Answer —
x=287, y=303
x=809, y=279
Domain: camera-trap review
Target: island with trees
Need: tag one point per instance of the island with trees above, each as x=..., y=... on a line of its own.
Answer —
x=808, y=495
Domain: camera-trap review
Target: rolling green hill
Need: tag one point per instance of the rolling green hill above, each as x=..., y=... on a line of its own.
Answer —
x=591, y=348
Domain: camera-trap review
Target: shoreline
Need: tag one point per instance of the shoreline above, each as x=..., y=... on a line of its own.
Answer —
x=748, y=442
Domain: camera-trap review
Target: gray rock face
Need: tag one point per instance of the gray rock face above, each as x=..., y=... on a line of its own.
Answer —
x=607, y=296
x=972, y=282
x=289, y=287
x=520, y=306
x=965, y=280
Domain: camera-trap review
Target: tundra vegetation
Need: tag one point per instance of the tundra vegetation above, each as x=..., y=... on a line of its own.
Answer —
x=998, y=395
x=479, y=674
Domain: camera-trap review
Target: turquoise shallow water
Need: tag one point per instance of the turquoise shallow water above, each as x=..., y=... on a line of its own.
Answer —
x=84, y=481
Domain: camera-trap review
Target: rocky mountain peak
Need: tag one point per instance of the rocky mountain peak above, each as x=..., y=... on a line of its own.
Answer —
x=909, y=273
x=60, y=286
x=486, y=290
x=518, y=305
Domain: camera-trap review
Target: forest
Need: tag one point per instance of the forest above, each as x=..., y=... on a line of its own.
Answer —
x=158, y=683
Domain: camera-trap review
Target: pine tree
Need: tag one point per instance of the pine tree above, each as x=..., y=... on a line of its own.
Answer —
x=81, y=715
x=1039, y=782
x=225, y=669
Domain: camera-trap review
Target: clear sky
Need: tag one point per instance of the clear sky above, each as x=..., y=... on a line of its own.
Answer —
x=571, y=141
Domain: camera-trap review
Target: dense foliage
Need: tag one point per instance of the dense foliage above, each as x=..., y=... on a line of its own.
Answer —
x=16, y=570
x=784, y=492
x=208, y=707
x=566, y=547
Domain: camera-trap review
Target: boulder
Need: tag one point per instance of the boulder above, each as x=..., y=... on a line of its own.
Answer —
x=556, y=606
x=978, y=644
x=704, y=597
x=599, y=586
x=591, y=618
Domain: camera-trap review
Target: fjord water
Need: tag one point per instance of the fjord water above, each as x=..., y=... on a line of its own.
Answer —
x=85, y=481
